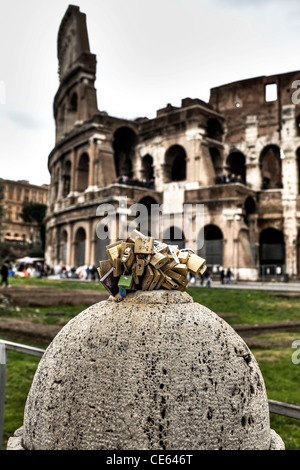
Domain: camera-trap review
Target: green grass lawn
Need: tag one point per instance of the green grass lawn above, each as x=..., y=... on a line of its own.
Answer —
x=52, y=315
x=248, y=306
x=19, y=375
x=58, y=284
x=281, y=376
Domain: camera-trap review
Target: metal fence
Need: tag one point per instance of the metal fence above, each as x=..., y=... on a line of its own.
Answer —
x=273, y=271
x=277, y=407
x=4, y=347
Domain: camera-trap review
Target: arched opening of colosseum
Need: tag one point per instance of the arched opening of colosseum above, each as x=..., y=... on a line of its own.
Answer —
x=174, y=236
x=217, y=162
x=298, y=169
x=55, y=177
x=124, y=145
x=145, y=225
x=147, y=168
x=80, y=242
x=100, y=246
x=270, y=164
x=271, y=249
x=250, y=208
x=236, y=166
x=83, y=172
x=66, y=178
x=64, y=247
x=298, y=253
x=73, y=102
x=212, y=249
x=214, y=129
x=175, y=164
x=298, y=125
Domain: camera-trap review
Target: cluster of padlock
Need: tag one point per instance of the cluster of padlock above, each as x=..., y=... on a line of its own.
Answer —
x=143, y=263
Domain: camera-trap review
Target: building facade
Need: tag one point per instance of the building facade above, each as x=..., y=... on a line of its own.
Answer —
x=15, y=194
x=238, y=155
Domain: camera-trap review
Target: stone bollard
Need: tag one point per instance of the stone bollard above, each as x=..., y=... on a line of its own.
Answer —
x=154, y=371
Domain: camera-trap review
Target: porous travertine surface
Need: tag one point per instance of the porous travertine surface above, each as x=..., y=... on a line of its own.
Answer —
x=154, y=371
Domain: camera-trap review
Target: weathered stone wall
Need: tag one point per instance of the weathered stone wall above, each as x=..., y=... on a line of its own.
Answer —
x=238, y=132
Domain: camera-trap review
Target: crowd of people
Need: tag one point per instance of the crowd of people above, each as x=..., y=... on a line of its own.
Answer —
x=40, y=270
x=225, y=277
x=23, y=270
x=88, y=273
x=206, y=279
x=135, y=182
x=230, y=178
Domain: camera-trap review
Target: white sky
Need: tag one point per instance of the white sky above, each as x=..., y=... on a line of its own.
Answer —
x=149, y=53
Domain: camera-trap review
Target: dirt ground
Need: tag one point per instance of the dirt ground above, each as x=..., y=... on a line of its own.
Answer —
x=26, y=296
x=23, y=329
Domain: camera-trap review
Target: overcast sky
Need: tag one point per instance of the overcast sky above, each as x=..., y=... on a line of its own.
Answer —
x=149, y=53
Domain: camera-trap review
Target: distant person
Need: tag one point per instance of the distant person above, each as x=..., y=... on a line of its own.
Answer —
x=240, y=179
x=228, y=276
x=93, y=273
x=207, y=277
x=222, y=276
x=4, y=274
x=192, y=278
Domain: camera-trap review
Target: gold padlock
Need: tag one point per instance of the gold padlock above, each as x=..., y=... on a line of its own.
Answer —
x=140, y=266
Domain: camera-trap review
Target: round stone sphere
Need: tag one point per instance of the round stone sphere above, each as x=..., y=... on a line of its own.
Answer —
x=153, y=371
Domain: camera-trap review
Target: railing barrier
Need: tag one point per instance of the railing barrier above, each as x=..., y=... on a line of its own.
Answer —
x=4, y=347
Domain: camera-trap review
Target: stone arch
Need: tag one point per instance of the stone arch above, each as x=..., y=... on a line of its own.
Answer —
x=148, y=202
x=271, y=247
x=73, y=102
x=214, y=129
x=298, y=169
x=212, y=249
x=249, y=208
x=124, y=145
x=55, y=183
x=100, y=246
x=298, y=125
x=64, y=247
x=174, y=236
x=80, y=246
x=83, y=169
x=236, y=165
x=270, y=164
x=250, y=205
x=298, y=253
x=175, y=163
x=147, y=171
x=66, y=177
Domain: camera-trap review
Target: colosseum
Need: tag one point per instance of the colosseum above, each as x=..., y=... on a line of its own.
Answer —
x=237, y=155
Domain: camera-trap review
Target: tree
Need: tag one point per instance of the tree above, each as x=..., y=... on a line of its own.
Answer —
x=1, y=218
x=35, y=213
